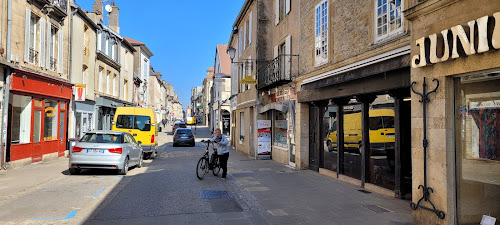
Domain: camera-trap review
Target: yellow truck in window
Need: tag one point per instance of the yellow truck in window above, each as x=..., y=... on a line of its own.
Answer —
x=141, y=124
x=381, y=127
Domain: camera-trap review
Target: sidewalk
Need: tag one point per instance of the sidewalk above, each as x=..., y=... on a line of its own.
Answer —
x=23, y=180
x=286, y=196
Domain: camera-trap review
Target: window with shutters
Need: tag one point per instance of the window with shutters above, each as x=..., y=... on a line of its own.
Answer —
x=33, y=50
x=100, y=81
x=281, y=10
x=51, y=48
x=115, y=88
x=108, y=76
x=388, y=18
x=240, y=38
x=321, y=33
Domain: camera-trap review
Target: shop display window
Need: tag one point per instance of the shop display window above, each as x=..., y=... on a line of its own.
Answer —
x=51, y=120
x=330, y=141
x=21, y=119
x=280, y=135
x=477, y=109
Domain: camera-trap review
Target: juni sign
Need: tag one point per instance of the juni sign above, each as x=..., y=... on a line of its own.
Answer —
x=460, y=35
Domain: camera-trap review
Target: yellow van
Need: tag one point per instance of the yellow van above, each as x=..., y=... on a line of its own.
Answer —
x=191, y=120
x=140, y=123
x=381, y=130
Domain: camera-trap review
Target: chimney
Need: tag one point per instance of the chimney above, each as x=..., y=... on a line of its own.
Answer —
x=98, y=8
x=114, y=17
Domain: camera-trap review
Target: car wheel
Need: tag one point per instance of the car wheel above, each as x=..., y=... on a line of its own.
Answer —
x=74, y=171
x=124, y=170
x=193, y=144
x=141, y=159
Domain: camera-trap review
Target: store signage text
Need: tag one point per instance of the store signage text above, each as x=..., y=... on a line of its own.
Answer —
x=460, y=41
x=248, y=80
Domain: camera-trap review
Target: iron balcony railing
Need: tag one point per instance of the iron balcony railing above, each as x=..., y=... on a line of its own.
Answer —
x=52, y=63
x=63, y=4
x=33, y=56
x=278, y=71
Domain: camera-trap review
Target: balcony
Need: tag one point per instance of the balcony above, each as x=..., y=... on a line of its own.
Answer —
x=57, y=9
x=280, y=70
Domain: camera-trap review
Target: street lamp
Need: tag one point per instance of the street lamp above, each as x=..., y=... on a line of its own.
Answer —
x=232, y=53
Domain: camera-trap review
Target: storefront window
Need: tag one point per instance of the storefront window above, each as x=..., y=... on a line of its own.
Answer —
x=382, y=142
x=330, y=141
x=352, y=139
x=62, y=118
x=78, y=124
x=51, y=122
x=280, y=135
x=477, y=101
x=21, y=119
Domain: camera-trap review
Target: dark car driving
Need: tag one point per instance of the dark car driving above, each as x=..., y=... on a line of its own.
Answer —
x=183, y=136
x=178, y=125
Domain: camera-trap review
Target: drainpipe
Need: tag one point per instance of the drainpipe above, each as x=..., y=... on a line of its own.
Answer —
x=3, y=141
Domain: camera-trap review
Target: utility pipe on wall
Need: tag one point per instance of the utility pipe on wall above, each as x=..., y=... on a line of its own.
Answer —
x=3, y=140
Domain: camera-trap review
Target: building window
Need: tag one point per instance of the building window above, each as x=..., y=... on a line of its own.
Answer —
x=240, y=38
x=51, y=121
x=52, y=48
x=125, y=91
x=249, y=38
x=114, y=86
x=242, y=126
x=99, y=82
x=321, y=34
x=280, y=130
x=282, y=8
x=32, y=49
x=388, y=18
x=108, y=82
x=125, y=60
x=477, y=137
x=21, y=119
x=84, y=73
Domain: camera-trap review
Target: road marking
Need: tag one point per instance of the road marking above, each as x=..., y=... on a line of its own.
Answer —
x=69, y=216
x=98, y=193
x=120, y=176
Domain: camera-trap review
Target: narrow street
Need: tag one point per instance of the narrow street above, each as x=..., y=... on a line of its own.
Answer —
x=166, y=191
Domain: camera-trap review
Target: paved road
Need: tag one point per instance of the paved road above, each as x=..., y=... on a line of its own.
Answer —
x=166, y=191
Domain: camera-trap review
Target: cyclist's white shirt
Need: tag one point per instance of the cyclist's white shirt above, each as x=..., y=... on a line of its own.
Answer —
x=222, y=146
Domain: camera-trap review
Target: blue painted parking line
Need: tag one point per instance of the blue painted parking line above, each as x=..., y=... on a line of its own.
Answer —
x=69, y=216
x=98, y=193
x=120, y=176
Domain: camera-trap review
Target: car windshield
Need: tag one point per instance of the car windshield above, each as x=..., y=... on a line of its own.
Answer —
x=142, y=123
x=101, y=138
x=188, y=132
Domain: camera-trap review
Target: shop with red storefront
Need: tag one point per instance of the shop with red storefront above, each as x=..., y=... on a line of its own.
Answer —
x=38, y=117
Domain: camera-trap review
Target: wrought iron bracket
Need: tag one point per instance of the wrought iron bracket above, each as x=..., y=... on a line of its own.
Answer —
x=426, y=191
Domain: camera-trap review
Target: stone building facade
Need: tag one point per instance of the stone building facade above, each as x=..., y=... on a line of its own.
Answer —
x=456, y=43
x=353, y=93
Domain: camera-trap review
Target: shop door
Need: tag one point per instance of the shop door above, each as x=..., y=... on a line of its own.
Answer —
x=313, y=138
x=38, y=117
x=62, y=129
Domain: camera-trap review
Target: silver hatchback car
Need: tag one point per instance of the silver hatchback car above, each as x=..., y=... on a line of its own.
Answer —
x=106, y=150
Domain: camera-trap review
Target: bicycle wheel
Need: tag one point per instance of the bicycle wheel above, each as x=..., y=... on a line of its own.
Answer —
x=201, y=168
x=216, y=167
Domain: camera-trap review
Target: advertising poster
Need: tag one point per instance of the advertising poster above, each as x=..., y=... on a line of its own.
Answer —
x=264, y=137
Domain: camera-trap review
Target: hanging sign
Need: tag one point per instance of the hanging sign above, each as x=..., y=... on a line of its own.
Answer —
x=79, y=92
x=248, y=80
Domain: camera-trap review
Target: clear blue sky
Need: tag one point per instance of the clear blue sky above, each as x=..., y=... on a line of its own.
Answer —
x=181, y=34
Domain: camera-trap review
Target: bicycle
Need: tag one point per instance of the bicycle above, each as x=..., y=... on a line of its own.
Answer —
x=207, y=163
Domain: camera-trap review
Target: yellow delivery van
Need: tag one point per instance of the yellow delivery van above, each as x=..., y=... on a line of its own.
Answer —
x=381, y=130
x=141, y=124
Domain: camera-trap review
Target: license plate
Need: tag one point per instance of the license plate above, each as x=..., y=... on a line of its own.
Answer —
x=184, y=137
x=390, y=136
x=95, y=150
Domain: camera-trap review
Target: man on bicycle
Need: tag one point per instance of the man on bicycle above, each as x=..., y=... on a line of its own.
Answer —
x=222, y=150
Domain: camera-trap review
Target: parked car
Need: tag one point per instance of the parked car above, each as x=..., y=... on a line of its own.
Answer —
x=178, y=125
x=141, y=124
x=106, y=150
x=183, y=136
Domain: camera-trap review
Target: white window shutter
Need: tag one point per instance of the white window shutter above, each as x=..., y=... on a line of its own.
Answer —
x=49, y=43
x=245, y=37
x=250, y=28
x=42, y=43
x=287, y=6
x=276, y=12
x=240, y=37
x=60, y=41
x=275, y=51
x=27, y=36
